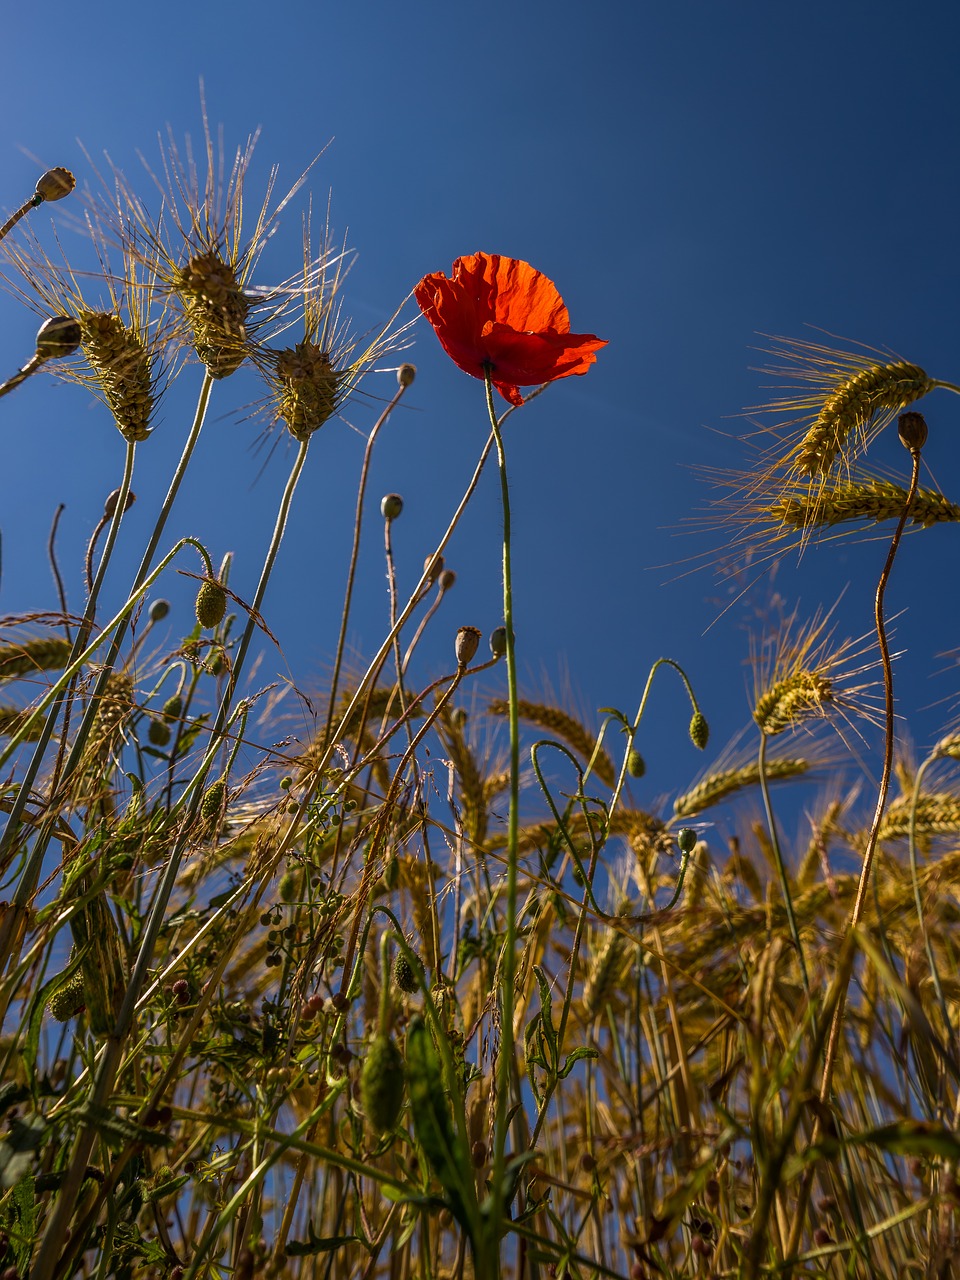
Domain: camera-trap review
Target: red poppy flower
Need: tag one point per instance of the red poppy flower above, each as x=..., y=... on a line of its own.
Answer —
x=499, y=313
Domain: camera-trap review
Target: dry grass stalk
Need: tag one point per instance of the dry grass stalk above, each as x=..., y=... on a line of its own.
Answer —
x=937, y=814
x=872, y=499
x=717, y=787
x=45, y=653
x=790, y=701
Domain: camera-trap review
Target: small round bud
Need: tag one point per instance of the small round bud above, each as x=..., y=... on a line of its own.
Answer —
x=822, y=1237
x=289, y=886
x=159, y=732
x=390, y=506
x=159, y=610
x=286, y=783
x=57, y=337
x=433, y=567
x=181, y=991
x=498, y=641
x=406, y=374
x=110, y=506
x=467, y=643
x=912, y=429
x=636, y=765
x=711, y=1192
x=55, y=184
x=687, y=839
x=211, y=604
x=699, y=730
x=447, y=579
x=173, y=707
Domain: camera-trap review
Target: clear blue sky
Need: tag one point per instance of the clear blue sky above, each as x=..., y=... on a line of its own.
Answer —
x=689, y=174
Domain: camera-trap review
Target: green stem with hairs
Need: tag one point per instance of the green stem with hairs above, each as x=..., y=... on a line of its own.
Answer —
x=505, y=1060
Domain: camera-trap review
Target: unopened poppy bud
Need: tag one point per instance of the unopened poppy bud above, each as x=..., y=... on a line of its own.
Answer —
x=467, y=643
x=172, y=708
x=68, y=1000
x=912, y=428
x=159, y=732
x=381, y=1084
x=498, y=641
x=55, y=184
x=159, y=610
x=699, y=730
x=57, y=337
x=636, y=765
x=391, y=506
x=447, y=579
x=433, y=567
x=110, y=506
x=406, y=374
x=687, y=839
x=211, y=604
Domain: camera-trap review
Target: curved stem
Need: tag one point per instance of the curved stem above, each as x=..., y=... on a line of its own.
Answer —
x=843, y=977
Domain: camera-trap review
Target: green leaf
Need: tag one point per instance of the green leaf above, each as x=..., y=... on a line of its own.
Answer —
x=19, y=1145
x=584, y=1051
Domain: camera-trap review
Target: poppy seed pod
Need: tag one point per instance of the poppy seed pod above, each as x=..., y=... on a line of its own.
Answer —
x=447, y=579
x=406, y=374
x=467, y=643
x=699, y=731
x=159, y=610
x=498, y=641
x=687, y=839
x=110, y=506
x=211, y=604
x=55, y=184
x=912, y=429
x=391, y=505
x=57, y=337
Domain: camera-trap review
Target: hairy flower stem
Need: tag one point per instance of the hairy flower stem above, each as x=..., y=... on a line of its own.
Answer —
x=781, y=868
x=11, y=831
x=351, y=574
x=509, y=961
x=843, y=977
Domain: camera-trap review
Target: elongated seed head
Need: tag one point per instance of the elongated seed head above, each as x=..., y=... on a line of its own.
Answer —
x=211, y=604
x=216, y=309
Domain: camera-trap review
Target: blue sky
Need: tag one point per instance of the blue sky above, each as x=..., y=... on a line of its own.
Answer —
x=690, y=175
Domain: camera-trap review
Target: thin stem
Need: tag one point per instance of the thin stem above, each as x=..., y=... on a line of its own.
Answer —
x=833, y=1043
x=781, y=867
x=505, y=1059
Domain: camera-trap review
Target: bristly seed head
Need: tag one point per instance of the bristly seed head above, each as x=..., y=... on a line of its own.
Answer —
x=467, y=643
x=853, y=405
x=308, y=388
x=216, y=309
x=211, y=604
x=699, y=731
x=121, y=365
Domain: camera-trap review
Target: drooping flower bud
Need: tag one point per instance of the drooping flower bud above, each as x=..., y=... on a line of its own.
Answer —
x=172, y=708
x=211, y=604
x=58, y=337
x=699, y=731
x=498, y=641
x=406, y=374
x=391, y=506
x=467, y=643
x=55, y=184
x=381, y=1084
x=159, y=610
x=159, y=732
x=110, y=506
x=212, y=802
x=404, y=974
x=433, y=567
x=636, y=765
